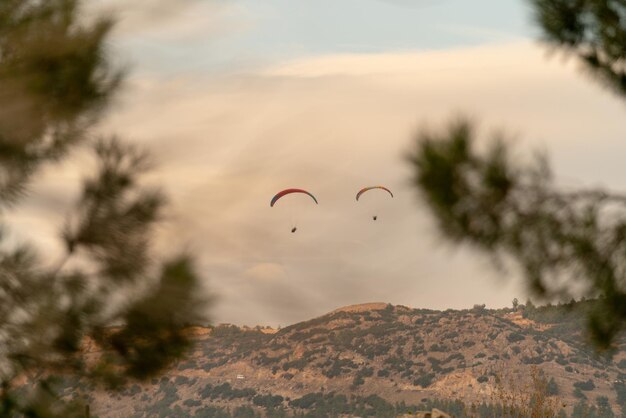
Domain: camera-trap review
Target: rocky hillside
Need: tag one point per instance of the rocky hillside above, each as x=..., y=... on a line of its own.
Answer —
x=382, y=360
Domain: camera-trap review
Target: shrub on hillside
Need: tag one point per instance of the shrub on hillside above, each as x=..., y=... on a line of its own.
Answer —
x=187, y=365
x=515, y=337
x=438, y=348
x=268, y=401
x=532, y=360
x=357, y=381
x=181, y=380
x=587, y=385
x=244, y=412
x=552, y=388
x=579, y=394
x=424, y=380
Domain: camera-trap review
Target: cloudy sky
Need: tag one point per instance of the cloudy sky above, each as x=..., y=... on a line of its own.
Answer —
x=239, y=99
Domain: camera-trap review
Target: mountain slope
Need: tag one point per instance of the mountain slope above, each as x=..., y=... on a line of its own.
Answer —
x=394, y=352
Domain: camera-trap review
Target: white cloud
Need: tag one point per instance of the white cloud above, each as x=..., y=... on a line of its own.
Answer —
x=333, y=124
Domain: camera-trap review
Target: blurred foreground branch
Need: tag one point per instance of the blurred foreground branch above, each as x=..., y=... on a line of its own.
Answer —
x=567, y=243
x=108, y=289
x=592, y=30
x=562, y=240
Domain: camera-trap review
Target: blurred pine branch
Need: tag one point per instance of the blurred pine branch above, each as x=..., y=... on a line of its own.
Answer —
x=56, y=80
x=561, y=239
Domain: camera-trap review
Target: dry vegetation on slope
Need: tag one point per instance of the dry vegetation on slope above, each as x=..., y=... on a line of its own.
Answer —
x=401, y=355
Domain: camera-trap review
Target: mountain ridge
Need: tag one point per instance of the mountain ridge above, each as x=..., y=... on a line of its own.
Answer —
x=398, y=354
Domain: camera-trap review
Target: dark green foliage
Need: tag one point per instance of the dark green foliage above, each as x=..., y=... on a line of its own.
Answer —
x=620, y=391
x=532, y=360
x=604, y=407
x=335, y=403
x=479, y=309
x=243, y=343
x=515, y=337
x=301, y=336
x=502, y=207
x=452, y=357
x=366, y=372
x=338, y=367
x=296, y=364
x=593, y=30
x=192, y=403
x=434, y=362
x=153, y=337
x=55, y=81
x=188, y=365
x=182, y=380
x=424, y=380
x=331, y=404
x=583, y=410
x=263, y=359
x=357, y=381
x=451, y=335
x=279, y=412
x=53, y=73
x=483, y=379
x=166, y=397
x=552, y=388
x=268, y=401
x=132, y=391
x=226, y=392
x=587, y=385
x=212, y=412
x=244, y=412
x=562, y=361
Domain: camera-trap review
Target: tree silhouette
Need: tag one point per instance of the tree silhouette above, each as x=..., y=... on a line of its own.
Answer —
x=56, y=80
x=592, y=30
x=513, y=210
